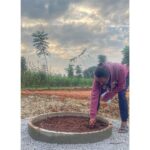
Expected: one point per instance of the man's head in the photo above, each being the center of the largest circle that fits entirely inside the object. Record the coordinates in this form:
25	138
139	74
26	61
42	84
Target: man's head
102	75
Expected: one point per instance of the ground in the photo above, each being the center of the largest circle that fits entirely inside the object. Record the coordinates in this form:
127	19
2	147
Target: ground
118	141
35	102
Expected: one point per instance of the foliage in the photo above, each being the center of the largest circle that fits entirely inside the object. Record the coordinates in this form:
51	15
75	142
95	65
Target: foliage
70	71
23	65
101	59
78	71
41	44
41	79
125	53
89	73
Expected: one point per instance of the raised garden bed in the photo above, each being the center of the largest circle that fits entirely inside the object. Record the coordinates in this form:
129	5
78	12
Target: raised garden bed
68	127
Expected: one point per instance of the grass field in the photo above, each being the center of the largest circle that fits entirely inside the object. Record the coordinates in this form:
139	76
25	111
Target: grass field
39	80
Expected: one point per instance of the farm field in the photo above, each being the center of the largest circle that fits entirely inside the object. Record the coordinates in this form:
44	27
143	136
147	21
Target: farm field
36	102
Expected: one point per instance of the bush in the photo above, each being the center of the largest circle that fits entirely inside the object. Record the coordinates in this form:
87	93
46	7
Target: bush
41	80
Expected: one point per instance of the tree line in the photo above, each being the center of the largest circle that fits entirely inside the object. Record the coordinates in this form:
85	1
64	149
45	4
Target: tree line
40	42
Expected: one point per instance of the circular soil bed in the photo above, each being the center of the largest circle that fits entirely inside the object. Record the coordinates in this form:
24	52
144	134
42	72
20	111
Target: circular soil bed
68	127
69	124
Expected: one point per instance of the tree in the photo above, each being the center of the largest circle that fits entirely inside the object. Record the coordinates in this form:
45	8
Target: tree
78	71
89	73
41	44
101	59
125	53
70	71
23	65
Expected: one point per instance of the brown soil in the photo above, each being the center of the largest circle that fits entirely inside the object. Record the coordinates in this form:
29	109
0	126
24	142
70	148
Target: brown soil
70	124
36	102
76	94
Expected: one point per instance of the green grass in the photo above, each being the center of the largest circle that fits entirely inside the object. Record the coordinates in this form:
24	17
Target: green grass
39	80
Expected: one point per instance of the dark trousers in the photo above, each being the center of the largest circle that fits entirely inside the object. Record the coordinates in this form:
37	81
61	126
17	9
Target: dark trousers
123	105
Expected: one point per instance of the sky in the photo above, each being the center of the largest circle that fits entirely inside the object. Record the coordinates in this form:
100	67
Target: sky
99	26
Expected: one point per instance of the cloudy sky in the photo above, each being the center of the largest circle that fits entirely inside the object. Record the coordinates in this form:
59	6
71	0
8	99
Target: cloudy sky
99	26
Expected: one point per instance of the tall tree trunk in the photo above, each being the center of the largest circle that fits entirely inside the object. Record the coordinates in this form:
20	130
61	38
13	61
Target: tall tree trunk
46	63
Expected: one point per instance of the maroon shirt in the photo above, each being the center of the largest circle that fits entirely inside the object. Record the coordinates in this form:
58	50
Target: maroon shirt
118	74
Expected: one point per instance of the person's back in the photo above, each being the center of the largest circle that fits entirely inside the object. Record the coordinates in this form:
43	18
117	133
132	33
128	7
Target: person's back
110	79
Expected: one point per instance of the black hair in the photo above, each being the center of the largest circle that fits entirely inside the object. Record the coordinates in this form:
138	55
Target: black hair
101	72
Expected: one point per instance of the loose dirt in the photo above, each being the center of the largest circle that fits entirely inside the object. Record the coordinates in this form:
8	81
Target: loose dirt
70	124
36	102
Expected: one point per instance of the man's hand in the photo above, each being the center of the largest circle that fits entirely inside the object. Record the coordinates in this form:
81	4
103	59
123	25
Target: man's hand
92	123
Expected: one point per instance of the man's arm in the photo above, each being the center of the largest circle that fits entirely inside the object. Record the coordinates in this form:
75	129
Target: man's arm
121	85
94	99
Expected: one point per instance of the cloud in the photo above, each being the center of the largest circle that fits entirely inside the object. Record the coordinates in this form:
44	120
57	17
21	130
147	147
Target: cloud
45	9
73	25
32	23
113	10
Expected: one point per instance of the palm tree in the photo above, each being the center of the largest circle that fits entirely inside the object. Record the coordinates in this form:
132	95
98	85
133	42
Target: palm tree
41	44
